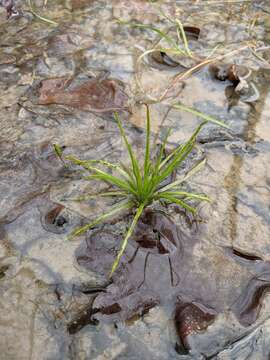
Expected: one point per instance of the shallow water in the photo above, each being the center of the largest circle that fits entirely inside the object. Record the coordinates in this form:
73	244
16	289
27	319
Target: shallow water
202	285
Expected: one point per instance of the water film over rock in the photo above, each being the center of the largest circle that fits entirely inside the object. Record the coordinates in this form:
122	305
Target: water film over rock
187	286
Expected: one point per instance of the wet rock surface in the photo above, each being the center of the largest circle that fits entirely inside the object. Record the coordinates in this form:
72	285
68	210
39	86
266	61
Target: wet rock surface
156	269
198	286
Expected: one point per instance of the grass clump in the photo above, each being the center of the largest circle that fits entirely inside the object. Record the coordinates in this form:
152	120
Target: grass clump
136	187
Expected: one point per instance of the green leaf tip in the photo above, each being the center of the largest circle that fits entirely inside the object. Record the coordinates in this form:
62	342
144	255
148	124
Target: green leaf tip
200	114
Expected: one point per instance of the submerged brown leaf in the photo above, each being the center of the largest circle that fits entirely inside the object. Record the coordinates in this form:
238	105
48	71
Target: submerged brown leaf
93	95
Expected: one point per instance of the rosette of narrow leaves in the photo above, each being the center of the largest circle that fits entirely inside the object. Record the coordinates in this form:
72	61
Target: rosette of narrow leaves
137	186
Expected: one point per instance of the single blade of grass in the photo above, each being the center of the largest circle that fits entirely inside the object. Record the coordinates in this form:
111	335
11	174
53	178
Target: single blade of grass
134	161
115	209
182	34
48	21
180	202
161	33
59	153
215	48
147	145
190	173
200	114
125	241
102	194
185	194
194	170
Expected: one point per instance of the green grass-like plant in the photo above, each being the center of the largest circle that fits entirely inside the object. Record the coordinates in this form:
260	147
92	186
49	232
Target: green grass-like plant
42	18
137	187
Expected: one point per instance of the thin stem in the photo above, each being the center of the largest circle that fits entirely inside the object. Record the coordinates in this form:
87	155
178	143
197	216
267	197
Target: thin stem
200	114
147	146
115	209
184	38
125	241
39	16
